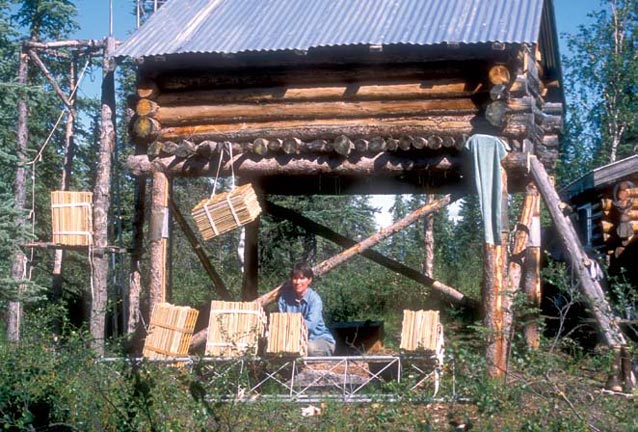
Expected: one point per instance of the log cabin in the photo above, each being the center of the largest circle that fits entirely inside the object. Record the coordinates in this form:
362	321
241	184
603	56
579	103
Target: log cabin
301	97
607	221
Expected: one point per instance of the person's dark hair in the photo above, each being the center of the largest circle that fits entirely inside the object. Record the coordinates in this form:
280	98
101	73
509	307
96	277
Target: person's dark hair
301	268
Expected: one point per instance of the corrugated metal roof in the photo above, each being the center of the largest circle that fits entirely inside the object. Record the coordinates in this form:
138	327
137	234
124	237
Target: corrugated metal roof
236	26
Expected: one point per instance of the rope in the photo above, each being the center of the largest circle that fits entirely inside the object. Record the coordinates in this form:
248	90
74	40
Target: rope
28	273
219	165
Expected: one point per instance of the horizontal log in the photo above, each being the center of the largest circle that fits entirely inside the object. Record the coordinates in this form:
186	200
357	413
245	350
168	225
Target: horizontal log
309	130
145	129
383	164
551	141
551	124
499	74
356	91
77	43
256	77
553	108
146	107
608	204
608	227
223	114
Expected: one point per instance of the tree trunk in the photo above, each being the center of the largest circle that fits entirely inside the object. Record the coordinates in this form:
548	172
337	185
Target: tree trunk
69	153
497	311
428	240
102	201
158	239
250	282
135	277
19	260
532	271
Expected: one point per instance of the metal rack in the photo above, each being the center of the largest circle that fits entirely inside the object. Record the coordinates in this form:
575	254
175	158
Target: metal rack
365	378
314	379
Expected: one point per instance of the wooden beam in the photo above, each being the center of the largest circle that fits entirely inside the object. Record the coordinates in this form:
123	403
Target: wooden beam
382	164
200	251
532	272
330	263
34	56
102	200
246	113
446	291
250	281
517	126
521	241
158	238
357	91
497	313
578	259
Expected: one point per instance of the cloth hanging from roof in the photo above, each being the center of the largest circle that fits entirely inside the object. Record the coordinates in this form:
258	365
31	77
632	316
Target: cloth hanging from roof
487	153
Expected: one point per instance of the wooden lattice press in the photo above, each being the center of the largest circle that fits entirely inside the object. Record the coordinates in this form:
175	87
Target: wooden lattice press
226	211
72	218
234	329
170	331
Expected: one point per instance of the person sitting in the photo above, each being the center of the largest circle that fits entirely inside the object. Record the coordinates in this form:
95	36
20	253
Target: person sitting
297	296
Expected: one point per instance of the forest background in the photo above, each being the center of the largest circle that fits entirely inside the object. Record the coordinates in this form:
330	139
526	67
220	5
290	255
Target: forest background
601	126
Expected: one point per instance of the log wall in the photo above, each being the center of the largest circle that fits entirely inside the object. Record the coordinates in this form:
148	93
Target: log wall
346	111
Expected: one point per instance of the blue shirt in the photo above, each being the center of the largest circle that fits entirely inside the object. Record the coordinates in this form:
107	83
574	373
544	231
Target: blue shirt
311	308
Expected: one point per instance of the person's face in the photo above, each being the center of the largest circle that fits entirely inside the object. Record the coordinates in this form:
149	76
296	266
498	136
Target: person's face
300	284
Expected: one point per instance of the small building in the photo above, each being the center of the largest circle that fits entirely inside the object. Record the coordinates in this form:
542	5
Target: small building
605	204
342	96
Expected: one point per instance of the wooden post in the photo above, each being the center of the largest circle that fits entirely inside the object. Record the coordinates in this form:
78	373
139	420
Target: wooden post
102	201
532	270
197	246
578	260
158	238
495	297
135	276
251	262
69	152
428	240
19	260
521	240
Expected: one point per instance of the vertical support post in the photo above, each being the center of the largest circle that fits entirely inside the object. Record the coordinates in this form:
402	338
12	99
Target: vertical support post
158	238
428	240
251	262
69	153
19	260
102	201
532	270
135	276
495	296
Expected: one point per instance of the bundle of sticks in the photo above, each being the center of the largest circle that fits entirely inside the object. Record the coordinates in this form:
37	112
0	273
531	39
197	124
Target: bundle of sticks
234	329
226	211
170	331
420	331
72	218
287	335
